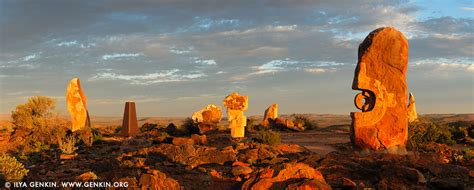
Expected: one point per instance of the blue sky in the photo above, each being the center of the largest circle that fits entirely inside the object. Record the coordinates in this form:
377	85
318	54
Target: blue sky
174	57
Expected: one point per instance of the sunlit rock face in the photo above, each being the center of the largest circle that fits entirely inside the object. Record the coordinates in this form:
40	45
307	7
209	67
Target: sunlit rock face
76	103
412	115
270	113
236	105
211	113
381	76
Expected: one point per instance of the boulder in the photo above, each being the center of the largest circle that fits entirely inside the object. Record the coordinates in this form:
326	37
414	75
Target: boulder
199	139
155	179
381	76
76	102
288	175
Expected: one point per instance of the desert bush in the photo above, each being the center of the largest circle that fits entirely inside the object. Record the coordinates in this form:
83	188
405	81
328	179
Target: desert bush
10	169
96	135
148	127
268	137
34	113
190	126
36	126
85	136
424	132
470	131
252	125
307	123
67	145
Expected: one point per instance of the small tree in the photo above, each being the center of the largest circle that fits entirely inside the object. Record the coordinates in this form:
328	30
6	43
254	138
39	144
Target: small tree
10	169
34	113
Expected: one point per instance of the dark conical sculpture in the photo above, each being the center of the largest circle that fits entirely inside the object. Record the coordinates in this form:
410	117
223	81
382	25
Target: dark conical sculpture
129	124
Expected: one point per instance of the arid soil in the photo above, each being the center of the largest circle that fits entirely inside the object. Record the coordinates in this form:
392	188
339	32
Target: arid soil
315	159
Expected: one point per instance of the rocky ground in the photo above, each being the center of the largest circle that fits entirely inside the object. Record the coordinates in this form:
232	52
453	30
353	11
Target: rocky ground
315	159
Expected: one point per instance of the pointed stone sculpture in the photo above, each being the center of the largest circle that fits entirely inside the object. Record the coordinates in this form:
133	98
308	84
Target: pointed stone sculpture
207	118
381	76
270	113
412	115
76	103
236	105
129	123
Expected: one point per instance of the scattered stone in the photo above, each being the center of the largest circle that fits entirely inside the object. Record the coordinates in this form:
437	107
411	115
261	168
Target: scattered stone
239	163
155	179
241	170
88	176
412	115
289	175
199	139
381	76
182	140
129	123
76	102
236	105
271	113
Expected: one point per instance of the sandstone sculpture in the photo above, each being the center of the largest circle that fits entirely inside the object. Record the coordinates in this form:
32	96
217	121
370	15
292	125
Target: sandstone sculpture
270	113
211	113
77	105
236	105
207	118
381	76
412	115
129	123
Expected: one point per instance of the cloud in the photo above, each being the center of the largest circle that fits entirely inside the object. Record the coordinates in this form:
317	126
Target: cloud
120	55
67	43
174	75
443	65
30	57
467	8
204	61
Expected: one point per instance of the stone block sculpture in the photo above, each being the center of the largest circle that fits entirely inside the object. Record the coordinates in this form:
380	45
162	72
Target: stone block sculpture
207	118
76	103
271	113
412	115
236	105
381	76
129	123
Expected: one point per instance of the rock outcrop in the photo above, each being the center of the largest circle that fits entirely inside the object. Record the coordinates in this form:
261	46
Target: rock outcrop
381	76
76	102
412	115
236	105
155	179
289	175
129	123
270	113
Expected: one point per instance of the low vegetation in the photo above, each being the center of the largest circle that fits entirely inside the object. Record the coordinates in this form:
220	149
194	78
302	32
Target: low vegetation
67	145
307	123
268	137
10	169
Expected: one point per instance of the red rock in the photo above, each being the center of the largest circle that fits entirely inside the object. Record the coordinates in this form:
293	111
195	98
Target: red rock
182	140
271	113
129	122
290	175
88	176
241	170
154	179
346	182
381	76
199	139
239	163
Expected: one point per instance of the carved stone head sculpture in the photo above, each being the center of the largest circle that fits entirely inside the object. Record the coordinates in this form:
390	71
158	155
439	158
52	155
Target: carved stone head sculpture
381	76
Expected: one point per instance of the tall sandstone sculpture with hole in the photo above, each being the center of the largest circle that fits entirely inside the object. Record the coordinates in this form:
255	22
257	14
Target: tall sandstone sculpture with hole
76	102
381	76
236	105
129	123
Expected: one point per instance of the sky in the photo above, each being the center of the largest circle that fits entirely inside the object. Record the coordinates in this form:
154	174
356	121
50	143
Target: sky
173	57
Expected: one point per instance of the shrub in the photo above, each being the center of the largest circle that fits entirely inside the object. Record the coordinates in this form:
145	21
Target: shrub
85	136
148	127
189	126
268	137
36	126
10	169
67	145
424	132
307	123
96	135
